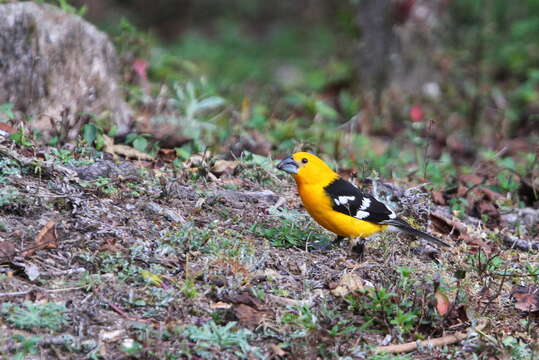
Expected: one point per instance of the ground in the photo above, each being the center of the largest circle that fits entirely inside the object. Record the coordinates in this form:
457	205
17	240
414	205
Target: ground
115	259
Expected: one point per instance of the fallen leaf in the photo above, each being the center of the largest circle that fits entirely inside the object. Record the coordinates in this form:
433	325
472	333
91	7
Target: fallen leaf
152	278
7	251
45	239
31	270
276	350
168	155
471	179
111	336
442	302
124	150
225	167
246	298
527	298
5	129
248	316
220	305
438	197
348	283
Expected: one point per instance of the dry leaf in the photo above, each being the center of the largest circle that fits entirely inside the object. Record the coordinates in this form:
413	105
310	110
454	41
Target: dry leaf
45	239
277	351
226	167
527	298
438	197
348	283
442	302
168	155
124	150
7	251
248	316
220	305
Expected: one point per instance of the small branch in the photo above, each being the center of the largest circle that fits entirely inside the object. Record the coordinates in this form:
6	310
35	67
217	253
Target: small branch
286	301
18	293
45	340
441	341
411	346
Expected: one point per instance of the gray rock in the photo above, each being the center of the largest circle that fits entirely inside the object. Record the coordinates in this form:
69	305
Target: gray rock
58	68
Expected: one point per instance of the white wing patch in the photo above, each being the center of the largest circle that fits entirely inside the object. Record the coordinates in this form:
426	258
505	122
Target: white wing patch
365	204
362	214
343	200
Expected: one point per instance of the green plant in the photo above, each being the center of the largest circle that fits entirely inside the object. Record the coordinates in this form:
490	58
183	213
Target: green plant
93	132
20	138
67	7
517	349
29	345
139	141
6	112
210	336
28	315
189	289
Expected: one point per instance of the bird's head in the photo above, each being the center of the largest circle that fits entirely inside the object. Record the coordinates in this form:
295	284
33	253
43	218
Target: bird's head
307	168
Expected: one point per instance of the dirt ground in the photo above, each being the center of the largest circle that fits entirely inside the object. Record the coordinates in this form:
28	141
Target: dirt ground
151	261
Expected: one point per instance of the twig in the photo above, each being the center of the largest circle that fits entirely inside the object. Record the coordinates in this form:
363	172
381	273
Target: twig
18	293
126	316
37	288
286	301
411	346
441	341
46	340
64	272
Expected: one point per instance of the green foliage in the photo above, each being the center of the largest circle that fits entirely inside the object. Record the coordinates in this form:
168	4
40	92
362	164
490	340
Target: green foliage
396	308
288	233
210	336
139	141
29	345
29	315
20	138
64	5
6	112
517	349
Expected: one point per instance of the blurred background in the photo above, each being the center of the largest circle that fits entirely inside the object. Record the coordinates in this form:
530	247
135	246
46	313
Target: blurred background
366	81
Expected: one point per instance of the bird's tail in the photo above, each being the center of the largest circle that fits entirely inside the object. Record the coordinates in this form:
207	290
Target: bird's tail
407	228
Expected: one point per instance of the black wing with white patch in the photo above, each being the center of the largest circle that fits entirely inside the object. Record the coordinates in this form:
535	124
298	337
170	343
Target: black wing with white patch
350	200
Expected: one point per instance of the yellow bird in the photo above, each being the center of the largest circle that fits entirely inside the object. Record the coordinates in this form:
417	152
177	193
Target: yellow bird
340	206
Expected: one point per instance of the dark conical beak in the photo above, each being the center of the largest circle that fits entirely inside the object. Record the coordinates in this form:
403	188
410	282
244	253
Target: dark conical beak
288	165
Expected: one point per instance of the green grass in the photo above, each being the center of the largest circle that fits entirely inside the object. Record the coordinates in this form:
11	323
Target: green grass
35	315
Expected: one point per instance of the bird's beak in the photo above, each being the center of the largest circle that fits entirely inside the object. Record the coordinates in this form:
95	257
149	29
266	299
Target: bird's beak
288	165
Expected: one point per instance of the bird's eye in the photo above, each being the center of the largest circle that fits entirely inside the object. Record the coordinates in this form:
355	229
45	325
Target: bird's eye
304	160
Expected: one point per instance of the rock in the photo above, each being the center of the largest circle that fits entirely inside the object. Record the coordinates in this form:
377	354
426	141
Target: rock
108	169
57	69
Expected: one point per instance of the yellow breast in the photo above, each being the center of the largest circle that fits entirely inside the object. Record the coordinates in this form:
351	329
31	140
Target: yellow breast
320	208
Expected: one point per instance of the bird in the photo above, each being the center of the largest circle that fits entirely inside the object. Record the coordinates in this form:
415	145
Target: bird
340	206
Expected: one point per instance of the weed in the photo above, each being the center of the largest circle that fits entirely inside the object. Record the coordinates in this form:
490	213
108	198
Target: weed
210	336
20	138
189	289
29	345
6	112
28	315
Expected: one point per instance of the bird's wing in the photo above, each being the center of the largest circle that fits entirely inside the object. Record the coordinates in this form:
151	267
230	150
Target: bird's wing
350	200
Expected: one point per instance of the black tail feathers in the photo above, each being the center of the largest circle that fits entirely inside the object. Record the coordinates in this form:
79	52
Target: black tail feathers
407	228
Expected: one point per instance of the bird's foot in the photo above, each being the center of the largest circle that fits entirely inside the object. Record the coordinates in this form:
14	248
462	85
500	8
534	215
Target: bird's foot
324	246
358	249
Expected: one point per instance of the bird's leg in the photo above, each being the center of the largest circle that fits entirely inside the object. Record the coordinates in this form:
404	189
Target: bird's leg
338	240
358	248
325	246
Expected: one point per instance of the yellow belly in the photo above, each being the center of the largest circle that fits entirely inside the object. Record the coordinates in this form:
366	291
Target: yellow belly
320	208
